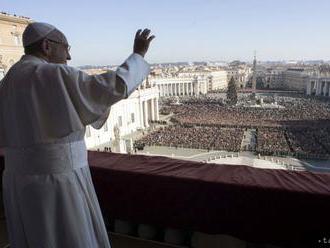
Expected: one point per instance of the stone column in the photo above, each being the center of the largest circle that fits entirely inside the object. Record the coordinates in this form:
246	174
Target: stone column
152	105
197	87
318	87
145	113
156	108
141	112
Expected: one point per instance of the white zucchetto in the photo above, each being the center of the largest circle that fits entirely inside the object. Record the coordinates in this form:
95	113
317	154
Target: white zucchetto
36	31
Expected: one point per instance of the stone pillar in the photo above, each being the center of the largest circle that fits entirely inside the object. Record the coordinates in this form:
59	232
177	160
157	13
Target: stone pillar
145	113
324	88
152	106
321	89
318	87
156	108
197	88
141	112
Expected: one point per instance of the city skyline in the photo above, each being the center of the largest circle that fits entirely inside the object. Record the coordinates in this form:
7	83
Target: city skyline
189	31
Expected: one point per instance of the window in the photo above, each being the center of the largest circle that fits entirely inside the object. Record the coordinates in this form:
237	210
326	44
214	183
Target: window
132	118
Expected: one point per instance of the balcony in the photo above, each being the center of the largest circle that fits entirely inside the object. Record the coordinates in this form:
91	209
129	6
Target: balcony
163	202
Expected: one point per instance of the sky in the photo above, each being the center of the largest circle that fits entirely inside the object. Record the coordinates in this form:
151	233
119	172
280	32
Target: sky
101	32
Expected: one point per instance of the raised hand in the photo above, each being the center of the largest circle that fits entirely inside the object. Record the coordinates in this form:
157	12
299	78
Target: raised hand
142	41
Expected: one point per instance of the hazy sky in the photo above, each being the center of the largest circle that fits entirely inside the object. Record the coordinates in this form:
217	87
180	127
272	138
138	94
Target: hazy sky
102	31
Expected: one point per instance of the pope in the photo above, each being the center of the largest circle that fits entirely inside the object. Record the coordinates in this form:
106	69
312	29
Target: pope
45	106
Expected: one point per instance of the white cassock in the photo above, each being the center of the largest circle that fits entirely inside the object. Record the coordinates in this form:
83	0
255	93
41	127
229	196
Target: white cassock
49	197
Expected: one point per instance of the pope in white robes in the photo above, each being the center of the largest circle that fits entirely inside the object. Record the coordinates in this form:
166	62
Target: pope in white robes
45	105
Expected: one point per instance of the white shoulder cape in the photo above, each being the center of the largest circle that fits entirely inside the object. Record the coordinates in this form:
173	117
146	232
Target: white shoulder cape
41	102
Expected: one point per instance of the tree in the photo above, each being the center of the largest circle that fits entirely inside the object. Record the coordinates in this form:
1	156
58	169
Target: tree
232	92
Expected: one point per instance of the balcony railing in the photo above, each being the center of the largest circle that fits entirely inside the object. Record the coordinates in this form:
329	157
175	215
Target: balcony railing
285	208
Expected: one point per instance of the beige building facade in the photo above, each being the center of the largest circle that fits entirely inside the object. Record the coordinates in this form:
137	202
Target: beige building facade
11	46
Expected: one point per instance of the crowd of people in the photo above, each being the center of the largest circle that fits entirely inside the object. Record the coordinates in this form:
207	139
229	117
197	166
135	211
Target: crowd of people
304	143
205	122
295	112
272	141
211	138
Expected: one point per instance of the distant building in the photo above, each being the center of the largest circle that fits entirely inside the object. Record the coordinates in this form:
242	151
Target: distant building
188	81
182	85
11	46
274	78
295	79
241	75
126	117
319	82
218	80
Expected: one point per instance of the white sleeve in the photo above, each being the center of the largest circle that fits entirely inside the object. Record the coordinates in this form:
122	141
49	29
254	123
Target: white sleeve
133	71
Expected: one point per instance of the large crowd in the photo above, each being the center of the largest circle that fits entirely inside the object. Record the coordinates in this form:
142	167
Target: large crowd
298	127
294	112
272	141
214	138
305	143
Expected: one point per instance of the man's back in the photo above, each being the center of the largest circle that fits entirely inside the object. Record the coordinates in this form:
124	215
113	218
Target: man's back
29	104
45	105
